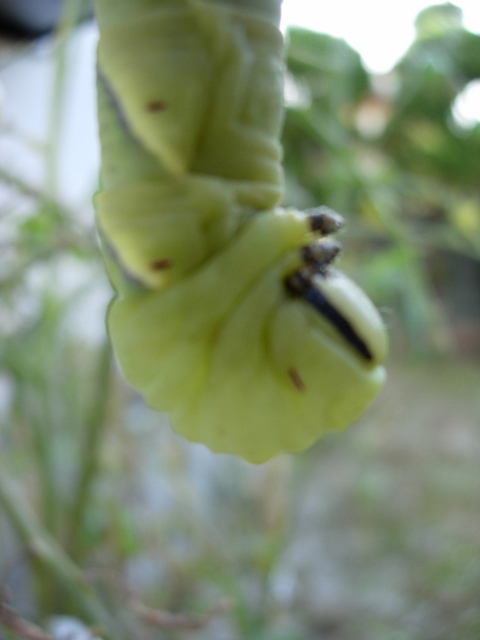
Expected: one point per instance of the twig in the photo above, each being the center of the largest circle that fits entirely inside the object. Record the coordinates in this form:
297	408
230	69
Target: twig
42	255
68	18
11	620
46	551
167	620
30	191
20	185
90	454
158	617
112	579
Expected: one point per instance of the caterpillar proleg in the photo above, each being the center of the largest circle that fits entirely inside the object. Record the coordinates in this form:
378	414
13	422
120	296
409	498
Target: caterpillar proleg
228	312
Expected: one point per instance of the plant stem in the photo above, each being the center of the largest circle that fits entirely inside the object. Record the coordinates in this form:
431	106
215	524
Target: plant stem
46	471
52	558
90	455
19	184
68	19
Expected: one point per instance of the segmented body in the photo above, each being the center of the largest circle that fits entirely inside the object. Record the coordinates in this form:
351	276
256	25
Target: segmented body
228	314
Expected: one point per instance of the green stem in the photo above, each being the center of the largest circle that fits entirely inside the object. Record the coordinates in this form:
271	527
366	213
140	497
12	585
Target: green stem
90	455
68	19
46	469
20	185
51	557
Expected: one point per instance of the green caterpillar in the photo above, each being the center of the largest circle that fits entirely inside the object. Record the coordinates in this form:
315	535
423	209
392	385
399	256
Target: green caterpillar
228	312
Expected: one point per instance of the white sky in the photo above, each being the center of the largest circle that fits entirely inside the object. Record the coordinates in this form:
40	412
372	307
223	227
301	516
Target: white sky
380	31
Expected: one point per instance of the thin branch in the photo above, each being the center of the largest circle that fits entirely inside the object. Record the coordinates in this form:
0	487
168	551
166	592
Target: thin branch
30	191
42	255
11	620
20	185
46	551
91	450
159	618
68	18
185	621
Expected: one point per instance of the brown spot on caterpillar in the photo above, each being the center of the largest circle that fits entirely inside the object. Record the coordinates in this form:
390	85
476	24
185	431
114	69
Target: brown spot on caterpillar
156	105
159	265
296	379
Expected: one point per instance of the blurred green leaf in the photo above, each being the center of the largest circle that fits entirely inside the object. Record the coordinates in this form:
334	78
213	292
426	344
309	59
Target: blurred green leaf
387	153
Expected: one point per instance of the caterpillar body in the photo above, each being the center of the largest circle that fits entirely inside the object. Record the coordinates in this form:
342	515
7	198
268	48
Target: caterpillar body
228	312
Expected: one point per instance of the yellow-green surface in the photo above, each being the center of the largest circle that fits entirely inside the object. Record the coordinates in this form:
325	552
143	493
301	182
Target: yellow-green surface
191	99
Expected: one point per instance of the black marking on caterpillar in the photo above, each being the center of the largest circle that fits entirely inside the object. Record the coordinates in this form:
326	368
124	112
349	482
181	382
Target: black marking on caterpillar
300	284
116	105
114	101
128	275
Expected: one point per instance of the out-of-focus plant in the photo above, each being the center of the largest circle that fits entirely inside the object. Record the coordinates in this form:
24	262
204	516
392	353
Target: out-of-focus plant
55	386
390	153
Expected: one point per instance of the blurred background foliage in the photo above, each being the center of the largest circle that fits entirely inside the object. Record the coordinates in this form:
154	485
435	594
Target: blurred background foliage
391	155
109	518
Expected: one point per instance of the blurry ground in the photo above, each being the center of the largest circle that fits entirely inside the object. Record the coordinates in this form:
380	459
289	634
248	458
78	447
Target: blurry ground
387	538
372	534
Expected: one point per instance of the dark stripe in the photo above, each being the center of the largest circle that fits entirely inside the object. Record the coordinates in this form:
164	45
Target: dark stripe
114	101
314	297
